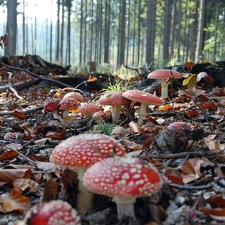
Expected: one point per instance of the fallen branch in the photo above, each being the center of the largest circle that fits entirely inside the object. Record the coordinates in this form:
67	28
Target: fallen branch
11	88
5	113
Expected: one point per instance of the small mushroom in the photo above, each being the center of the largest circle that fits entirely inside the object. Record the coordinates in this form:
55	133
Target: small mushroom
124	179
145	99
115	100
70	101
178	125
164	75
55	212
80	152
100	116
88	108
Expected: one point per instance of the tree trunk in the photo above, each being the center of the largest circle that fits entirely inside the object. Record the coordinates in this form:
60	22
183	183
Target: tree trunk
200	41
107	31
166	33
121	44
150	31
11	27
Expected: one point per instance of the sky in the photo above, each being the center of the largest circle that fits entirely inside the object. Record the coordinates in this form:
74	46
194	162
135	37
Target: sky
41	9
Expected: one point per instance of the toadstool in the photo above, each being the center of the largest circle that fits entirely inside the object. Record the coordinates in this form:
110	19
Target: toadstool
56	212
51	105
164	75
88	108
178	125
145	99
115	100
80	152
70	101
124	179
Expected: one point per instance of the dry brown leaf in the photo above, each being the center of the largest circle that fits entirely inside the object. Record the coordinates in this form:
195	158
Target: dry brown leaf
9	175
216	201
174	176
15	201
132	145
8	155
46	166
135	128
51	190
26	184
215	211
191	170
19	115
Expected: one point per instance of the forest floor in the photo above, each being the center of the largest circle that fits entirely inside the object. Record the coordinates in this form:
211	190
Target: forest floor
190	160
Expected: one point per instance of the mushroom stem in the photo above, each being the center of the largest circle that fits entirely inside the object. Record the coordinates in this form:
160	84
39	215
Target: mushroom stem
142	113
65	113
125	206
84	197
115	113
164	89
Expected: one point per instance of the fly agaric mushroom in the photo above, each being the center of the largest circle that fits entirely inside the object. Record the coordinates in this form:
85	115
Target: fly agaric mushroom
145	99
87	109
124	179
100	115
51	105
178	125
51	213
80	152
115	100
70	101
166	76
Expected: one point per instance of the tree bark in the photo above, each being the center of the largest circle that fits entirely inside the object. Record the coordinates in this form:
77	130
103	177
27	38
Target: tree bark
11	27
200	42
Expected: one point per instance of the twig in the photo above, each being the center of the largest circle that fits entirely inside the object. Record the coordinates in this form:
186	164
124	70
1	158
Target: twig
190	188
11	87
35	75
4	113
181	155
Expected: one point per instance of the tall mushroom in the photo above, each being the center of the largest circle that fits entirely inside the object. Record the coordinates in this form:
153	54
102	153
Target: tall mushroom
51	213
166	76
124	179
80	152
145	99
115	100
70	101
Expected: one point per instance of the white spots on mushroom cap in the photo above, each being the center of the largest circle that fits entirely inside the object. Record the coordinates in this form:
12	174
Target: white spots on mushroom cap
123	177
85	149
141	96
54	212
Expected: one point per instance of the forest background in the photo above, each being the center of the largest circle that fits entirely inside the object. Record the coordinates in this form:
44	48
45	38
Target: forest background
115	33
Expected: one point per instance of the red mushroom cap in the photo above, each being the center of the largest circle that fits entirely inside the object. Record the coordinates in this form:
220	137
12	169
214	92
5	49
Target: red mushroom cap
84	150
52	213
178	125
68	104
141	96
100	115
51	105
75	96
164	74
122	177
88	108
112	98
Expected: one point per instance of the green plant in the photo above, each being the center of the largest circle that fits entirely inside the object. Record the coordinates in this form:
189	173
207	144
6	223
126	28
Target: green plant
118	86
106	128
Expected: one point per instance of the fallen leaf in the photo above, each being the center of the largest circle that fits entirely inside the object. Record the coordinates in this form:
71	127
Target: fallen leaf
15	201
8	155
26	184
9	175
51	190
191	170
19	114
132	145
135	128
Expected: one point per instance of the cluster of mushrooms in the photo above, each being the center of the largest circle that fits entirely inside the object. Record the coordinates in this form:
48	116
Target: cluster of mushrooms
101	163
